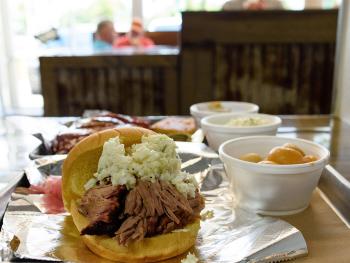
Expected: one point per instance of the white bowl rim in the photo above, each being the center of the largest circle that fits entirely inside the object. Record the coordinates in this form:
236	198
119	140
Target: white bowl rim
194	107
205	122
274	166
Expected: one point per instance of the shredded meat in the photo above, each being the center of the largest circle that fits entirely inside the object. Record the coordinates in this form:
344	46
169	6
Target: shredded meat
147	210
103	206
156	208
64	142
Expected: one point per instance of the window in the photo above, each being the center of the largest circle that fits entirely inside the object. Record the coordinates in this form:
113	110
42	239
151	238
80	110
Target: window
75	21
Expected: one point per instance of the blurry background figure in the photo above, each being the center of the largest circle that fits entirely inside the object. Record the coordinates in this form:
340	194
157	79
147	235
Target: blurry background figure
135	37
252	5
105	35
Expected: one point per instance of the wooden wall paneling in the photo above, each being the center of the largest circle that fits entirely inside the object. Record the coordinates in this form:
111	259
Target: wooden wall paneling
204	74
154	88
148	92
75	96
50	92
108	91
306	68
256	74
318	69
88	89
81	99
248	73
171	104
234	56
114	82
277	26
143	87
137	99
294	57
329	75
65	98
221	74
164	38
120	106
130	98
276	59
123	72
100	89
196	77
188	85
157	91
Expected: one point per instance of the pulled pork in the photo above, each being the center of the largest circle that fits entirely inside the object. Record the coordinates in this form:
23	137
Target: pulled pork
103	206
149	209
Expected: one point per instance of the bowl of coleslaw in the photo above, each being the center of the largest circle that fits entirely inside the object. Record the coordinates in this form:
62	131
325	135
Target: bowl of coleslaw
220	128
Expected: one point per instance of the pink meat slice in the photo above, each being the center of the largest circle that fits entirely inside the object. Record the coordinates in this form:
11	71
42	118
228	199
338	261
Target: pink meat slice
51	188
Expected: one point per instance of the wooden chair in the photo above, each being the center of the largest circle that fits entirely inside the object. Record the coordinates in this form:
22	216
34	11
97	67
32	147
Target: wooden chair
164	38
281	60
136	84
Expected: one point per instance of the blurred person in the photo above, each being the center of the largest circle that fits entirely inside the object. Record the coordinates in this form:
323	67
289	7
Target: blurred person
135	37
252	5
105	35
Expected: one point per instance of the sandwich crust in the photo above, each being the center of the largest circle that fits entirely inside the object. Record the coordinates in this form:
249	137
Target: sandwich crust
79	167
150	249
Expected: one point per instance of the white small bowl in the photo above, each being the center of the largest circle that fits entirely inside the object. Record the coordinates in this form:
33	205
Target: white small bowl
201	110
272	189
217	132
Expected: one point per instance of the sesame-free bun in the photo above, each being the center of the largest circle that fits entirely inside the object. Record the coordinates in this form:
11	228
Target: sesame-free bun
79	166
150	249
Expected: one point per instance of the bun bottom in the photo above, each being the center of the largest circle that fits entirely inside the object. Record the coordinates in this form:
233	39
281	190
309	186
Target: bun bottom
151	249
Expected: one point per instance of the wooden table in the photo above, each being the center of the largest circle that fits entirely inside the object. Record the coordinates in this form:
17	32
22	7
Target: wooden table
325	224
326	235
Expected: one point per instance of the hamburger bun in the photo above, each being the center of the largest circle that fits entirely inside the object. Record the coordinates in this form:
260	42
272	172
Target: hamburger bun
79	166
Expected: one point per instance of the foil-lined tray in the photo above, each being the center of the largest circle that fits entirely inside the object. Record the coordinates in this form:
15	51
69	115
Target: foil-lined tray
46	137
228	233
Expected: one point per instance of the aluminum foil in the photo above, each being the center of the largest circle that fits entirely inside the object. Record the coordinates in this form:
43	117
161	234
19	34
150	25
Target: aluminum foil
228	233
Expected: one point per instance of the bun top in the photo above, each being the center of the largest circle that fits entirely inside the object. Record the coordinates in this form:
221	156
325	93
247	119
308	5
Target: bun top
82	161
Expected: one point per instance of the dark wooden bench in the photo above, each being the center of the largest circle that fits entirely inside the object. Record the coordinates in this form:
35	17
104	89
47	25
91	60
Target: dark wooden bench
281	60
136	84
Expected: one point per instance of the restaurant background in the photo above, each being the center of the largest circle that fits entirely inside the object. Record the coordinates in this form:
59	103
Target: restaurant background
75	22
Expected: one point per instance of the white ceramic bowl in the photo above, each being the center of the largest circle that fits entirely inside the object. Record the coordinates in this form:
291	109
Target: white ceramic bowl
201	110
272	189
217	132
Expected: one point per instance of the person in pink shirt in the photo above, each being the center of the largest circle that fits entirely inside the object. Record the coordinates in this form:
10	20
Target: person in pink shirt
135	37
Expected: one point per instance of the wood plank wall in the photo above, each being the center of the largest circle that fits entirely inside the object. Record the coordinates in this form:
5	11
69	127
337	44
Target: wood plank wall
136	85
281	60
